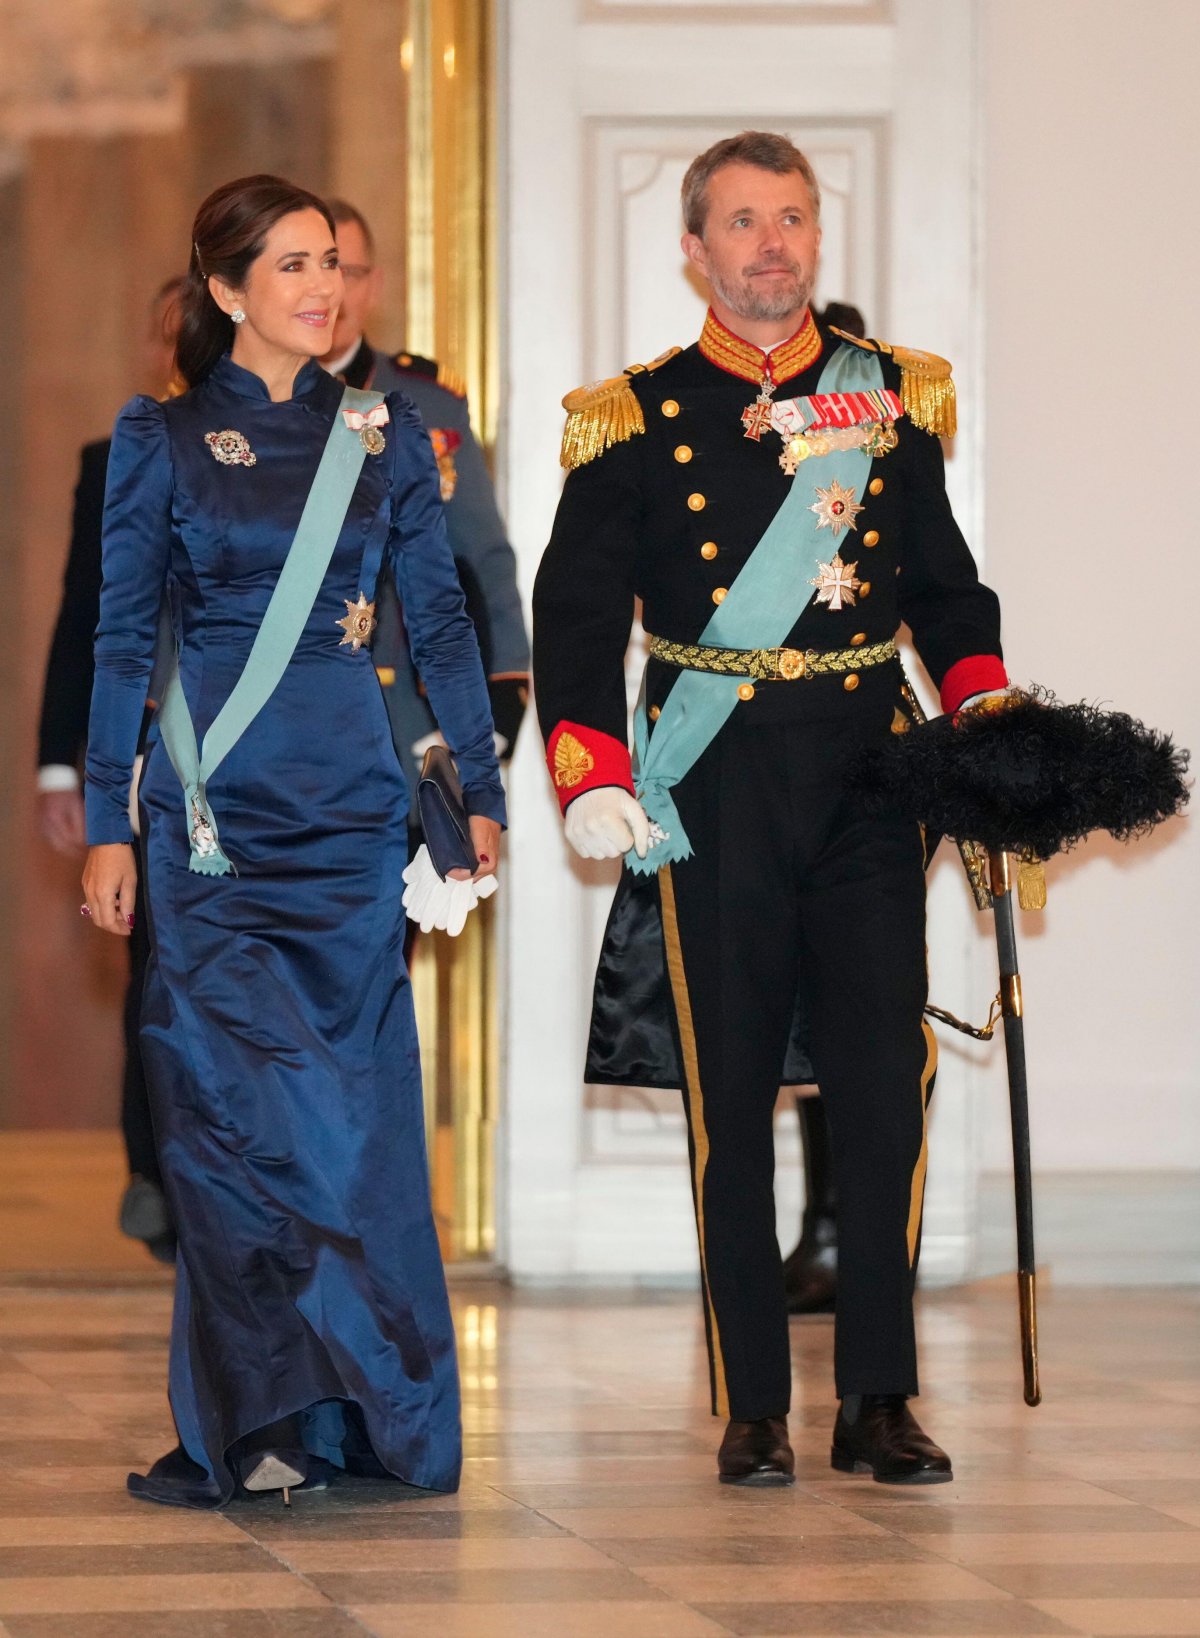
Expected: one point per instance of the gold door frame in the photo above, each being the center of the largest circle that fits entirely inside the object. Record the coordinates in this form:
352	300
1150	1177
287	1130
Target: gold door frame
447	59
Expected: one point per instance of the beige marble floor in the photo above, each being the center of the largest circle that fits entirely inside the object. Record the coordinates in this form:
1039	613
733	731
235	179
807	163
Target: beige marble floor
589	1508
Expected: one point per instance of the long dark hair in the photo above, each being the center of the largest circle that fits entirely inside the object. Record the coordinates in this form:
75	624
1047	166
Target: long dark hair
227	236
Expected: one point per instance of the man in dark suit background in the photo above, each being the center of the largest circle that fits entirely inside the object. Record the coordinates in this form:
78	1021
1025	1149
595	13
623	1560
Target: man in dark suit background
479	540
62	741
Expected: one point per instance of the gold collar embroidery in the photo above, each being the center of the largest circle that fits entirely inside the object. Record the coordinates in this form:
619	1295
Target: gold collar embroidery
748	362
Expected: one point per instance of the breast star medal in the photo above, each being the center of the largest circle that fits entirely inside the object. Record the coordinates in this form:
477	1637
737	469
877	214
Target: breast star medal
367	424
836	509
836	583
231	448
358	624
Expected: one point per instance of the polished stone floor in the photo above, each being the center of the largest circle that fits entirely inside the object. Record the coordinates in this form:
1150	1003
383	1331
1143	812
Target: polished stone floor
589	1505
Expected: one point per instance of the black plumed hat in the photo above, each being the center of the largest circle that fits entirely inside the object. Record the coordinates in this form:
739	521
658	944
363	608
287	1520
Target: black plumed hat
1029	775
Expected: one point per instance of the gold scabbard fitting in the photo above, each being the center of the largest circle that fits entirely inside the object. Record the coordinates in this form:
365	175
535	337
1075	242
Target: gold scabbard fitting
1011	1002
1027	1309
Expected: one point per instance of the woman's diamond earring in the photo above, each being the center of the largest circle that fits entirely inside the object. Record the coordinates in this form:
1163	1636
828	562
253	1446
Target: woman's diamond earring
238	316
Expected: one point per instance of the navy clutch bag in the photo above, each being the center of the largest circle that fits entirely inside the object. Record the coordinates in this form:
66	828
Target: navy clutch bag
443	814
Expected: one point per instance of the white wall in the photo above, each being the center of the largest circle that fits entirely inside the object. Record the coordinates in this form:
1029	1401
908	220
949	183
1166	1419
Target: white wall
1090	257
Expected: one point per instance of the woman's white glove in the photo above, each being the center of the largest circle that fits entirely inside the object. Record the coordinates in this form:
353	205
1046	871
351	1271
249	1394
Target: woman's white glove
606	823
432	902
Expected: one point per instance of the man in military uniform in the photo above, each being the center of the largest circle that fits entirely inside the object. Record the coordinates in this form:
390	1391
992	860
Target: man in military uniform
774	494
62	741
486	562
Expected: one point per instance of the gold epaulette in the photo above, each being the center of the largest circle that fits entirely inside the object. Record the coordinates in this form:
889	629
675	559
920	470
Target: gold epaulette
452	381
926	385
603	414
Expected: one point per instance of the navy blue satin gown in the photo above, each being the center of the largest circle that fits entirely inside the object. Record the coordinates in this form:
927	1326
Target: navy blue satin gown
277	1027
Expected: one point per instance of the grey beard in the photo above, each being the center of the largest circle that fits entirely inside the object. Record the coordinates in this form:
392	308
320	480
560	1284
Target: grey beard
742	300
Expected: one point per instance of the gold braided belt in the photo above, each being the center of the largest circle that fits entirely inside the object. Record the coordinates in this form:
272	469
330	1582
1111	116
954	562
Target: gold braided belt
771	664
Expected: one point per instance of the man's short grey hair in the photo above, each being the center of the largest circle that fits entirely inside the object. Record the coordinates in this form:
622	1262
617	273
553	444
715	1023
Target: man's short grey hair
343	211
765	149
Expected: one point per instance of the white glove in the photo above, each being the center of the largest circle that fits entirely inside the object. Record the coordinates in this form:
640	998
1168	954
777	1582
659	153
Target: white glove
606	823
432	902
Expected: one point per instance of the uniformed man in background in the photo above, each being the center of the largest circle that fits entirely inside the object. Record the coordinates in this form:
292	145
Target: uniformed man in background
774	494
62	741
478	538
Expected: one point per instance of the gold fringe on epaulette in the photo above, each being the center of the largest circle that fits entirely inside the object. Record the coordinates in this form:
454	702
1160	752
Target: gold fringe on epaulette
452	381
926	390
597	418
930	403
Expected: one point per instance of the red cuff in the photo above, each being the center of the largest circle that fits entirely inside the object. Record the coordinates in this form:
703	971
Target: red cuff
581	759
978	674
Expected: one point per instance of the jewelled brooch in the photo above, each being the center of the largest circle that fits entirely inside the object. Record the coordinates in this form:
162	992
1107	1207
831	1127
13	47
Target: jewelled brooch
231	448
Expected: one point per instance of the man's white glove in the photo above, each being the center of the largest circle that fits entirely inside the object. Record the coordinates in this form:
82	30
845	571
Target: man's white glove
432	902
606	823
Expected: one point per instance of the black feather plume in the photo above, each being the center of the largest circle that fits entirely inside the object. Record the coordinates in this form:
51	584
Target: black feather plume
1031	776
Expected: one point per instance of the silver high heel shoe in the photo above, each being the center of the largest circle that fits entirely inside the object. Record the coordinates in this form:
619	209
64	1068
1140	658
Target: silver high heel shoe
264	1470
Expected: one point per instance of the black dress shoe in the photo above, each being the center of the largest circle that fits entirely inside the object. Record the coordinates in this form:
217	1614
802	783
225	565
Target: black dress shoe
876	1433
810	1273
144	1216
756	1453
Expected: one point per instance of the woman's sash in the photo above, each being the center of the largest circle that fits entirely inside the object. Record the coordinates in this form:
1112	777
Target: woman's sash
761	608
274	644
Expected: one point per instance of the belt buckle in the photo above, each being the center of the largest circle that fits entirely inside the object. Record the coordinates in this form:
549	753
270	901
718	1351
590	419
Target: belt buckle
791	664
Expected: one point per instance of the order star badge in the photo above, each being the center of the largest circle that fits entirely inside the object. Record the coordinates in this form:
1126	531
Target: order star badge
836	509
358	624
836	583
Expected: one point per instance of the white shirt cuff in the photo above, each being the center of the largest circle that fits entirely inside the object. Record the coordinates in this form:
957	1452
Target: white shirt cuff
57	776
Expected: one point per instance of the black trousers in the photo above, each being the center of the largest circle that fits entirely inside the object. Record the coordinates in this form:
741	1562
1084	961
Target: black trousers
789	884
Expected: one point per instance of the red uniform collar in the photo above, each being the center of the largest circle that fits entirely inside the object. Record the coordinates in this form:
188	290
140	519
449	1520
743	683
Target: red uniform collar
743	359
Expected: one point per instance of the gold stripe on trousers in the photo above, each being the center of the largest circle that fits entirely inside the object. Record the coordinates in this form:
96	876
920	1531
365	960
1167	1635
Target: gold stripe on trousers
917	1191
694	1093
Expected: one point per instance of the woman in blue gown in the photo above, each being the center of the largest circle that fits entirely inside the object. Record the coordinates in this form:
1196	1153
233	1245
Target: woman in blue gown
311	1322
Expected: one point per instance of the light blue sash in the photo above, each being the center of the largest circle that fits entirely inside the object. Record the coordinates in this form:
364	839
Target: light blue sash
764	603
287	614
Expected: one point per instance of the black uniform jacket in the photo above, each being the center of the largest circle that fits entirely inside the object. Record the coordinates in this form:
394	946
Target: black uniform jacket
67	695
670	516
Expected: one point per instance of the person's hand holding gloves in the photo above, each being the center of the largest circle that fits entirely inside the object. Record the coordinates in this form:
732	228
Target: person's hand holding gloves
432	902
